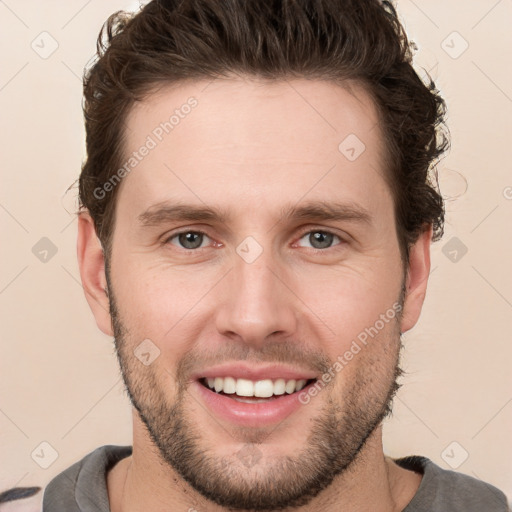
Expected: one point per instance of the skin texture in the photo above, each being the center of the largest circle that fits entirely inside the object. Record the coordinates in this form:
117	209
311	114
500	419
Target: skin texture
254	149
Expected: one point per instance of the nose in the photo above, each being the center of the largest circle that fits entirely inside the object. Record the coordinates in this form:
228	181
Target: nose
256	303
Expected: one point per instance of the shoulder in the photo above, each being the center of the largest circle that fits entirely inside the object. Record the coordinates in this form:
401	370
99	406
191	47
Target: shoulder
83	485
441	490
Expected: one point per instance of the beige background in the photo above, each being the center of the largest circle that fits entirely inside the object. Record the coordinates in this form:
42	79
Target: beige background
59	378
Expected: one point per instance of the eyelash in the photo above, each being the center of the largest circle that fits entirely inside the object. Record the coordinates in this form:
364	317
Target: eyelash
200	232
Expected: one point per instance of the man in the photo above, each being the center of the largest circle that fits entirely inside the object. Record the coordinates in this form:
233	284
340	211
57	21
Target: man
255	234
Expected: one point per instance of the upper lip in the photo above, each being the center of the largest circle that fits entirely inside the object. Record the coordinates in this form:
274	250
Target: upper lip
244	371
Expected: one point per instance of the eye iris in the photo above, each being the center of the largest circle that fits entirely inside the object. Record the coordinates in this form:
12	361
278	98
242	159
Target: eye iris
190	240
320	240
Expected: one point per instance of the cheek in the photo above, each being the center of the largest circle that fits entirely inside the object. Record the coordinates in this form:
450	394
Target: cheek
350	302
364	364
172	305
159	302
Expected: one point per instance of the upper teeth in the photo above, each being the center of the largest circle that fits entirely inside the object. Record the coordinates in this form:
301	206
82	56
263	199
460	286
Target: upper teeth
261	388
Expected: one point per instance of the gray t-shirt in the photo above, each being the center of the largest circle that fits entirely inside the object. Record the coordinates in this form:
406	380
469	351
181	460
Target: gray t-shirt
82	487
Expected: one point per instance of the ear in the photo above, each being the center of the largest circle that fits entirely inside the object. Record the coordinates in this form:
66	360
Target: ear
92	272
418	272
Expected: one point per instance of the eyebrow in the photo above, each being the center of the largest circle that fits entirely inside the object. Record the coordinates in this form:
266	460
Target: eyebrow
313	210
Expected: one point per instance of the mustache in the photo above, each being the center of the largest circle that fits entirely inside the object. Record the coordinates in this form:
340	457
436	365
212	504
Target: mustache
283	352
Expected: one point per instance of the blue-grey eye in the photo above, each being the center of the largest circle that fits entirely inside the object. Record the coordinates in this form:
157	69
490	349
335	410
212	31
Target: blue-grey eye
188	239
320	239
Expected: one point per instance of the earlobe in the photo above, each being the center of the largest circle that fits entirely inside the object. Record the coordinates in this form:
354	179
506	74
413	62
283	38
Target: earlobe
417	279
91	263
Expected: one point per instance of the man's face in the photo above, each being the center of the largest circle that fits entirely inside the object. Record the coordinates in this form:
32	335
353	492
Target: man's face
265	293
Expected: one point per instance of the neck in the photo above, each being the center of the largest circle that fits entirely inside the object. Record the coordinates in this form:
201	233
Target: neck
374	482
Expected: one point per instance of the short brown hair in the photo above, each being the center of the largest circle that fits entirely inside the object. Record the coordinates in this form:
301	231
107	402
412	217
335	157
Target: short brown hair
359	40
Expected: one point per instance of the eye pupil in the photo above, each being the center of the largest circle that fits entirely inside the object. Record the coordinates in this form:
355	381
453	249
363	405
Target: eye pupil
190	240
194	239
320	240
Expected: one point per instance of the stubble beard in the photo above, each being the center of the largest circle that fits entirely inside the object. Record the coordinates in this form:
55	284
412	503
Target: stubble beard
336	438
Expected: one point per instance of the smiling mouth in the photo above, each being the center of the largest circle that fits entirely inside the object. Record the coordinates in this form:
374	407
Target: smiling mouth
248	391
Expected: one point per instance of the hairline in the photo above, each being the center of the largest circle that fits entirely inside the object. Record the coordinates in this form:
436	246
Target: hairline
156	88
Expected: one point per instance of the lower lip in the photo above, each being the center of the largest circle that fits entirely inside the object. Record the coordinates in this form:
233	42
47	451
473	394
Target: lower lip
250	414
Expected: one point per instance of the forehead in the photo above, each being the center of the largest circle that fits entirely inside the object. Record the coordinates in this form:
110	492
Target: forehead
269	142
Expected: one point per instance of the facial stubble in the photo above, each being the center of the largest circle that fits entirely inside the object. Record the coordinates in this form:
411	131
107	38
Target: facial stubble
336	438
